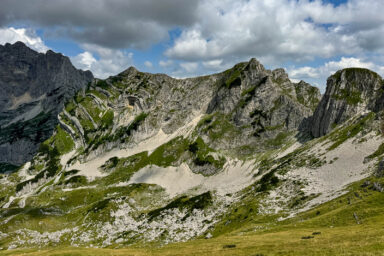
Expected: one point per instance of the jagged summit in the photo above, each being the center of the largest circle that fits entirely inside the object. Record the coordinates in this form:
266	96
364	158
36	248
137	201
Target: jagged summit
349	92
256	65
18	44
129	71
33	89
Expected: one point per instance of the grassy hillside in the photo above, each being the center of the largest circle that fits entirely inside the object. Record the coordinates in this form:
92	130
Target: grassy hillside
352	224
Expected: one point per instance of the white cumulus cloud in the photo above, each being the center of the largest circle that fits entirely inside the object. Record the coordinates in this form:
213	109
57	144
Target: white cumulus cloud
215	65
148	64
27	36
189	67
165	63
109	61
84	60
278	31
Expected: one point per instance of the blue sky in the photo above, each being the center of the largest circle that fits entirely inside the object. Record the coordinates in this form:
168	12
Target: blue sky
184	38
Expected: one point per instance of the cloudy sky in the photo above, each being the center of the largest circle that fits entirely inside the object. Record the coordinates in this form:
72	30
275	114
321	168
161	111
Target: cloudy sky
183	38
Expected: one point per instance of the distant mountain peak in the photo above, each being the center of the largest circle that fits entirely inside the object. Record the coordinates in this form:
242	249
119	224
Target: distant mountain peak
41	83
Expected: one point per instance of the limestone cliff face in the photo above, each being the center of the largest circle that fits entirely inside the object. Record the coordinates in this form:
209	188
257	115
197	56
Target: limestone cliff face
33	90
262	103
349	92
245	109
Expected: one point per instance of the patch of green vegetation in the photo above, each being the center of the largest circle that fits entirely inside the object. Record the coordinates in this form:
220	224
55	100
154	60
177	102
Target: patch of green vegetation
176	151
85	123
334	125
219	128
202	156
234	79
205	120
38	167
198	202
70	172
75	202
122	134
100	205
76	181
298	200
351	97
63	141
248	94
123	168
51	168
127	131
379	151
268	181
300	98
279	140
102	84
233	75
275	127
70	107
116	79
314	162
296	159
107	118
342	134
250	90
111	163
98	94
92	109
68	122
79	97
258	115
169	153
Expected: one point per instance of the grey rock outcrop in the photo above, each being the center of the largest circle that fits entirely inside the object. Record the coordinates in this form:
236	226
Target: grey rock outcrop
349	92
263	103
33	90
245	107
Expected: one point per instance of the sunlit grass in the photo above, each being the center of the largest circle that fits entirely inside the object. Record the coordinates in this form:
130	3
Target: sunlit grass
337	233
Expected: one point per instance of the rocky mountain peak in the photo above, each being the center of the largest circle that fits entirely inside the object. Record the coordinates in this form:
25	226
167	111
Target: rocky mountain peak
279	73
349	92
254	64
33	89
129	71
17	45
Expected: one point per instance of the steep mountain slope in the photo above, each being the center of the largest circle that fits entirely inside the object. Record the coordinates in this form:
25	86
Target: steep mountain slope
349	92
33	90
148	160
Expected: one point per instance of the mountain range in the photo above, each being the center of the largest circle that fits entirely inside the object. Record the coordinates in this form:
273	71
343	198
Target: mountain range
228	163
